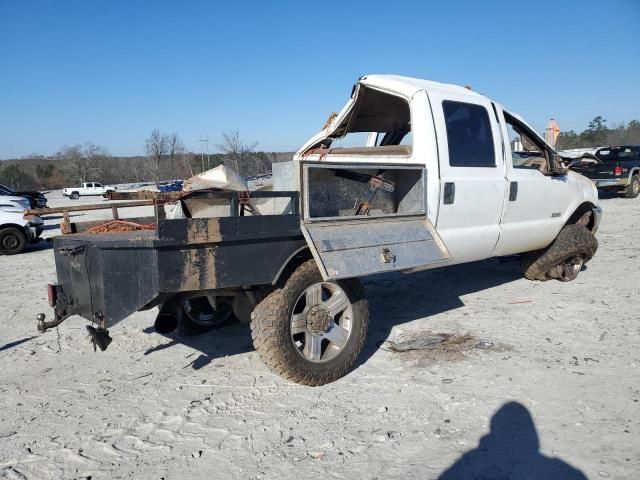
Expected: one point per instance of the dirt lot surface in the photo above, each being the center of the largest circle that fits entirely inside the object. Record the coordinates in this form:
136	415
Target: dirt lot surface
536	380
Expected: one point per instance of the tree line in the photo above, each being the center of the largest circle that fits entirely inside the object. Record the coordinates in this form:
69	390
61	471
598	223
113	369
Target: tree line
598	134
165	159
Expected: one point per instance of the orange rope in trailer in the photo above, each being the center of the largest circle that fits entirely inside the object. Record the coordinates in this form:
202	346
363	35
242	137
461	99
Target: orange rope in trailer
116	226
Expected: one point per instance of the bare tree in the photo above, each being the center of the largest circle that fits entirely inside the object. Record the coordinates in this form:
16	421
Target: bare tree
97	158
157	147
188	159
139	169
74	162
30	165
176	151
237	150
83	162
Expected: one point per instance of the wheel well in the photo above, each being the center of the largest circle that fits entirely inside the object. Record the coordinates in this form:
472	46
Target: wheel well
579	213
293	262
13	225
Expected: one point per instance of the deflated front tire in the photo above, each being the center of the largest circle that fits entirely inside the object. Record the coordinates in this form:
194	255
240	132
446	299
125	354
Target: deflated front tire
563	260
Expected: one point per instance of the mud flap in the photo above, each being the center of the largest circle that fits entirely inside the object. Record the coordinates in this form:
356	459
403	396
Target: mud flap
361	219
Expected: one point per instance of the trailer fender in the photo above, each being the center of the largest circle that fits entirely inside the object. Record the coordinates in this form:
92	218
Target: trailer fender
296	259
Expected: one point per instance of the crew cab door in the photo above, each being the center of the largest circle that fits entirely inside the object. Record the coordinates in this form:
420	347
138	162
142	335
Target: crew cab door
472	174
360	219
537	199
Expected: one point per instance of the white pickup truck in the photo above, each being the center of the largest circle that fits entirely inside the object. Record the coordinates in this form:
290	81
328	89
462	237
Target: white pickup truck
87	189
483	198
16	232
434	182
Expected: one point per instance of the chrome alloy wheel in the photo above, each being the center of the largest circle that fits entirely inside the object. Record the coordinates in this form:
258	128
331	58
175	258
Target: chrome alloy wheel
321	321
570	269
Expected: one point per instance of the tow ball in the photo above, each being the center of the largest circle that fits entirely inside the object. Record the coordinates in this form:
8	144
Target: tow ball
99	337
44	326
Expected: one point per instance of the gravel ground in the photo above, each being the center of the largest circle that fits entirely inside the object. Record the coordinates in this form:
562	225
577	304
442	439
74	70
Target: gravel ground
538	380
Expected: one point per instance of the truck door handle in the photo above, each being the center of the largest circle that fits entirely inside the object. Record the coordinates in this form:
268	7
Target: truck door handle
513	191
449	193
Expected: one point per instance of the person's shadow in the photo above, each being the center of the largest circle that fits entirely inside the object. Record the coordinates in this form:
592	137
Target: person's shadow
510	452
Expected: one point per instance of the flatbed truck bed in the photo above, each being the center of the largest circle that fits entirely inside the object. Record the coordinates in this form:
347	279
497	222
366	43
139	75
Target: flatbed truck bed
107	277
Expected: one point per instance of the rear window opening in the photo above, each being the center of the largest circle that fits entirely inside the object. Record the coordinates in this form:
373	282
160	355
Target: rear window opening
379	124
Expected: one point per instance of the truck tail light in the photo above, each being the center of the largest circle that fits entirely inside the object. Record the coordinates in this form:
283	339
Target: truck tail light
52	295
617	170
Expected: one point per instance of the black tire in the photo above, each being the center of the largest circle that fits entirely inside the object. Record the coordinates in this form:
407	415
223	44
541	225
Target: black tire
192	315
74	196
574	246
12	241
271	329
200	314
633	190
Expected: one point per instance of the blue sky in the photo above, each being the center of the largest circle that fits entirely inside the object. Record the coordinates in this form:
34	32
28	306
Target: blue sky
111	71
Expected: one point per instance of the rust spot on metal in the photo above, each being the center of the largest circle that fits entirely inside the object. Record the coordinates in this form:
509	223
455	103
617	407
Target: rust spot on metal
204	230
198	270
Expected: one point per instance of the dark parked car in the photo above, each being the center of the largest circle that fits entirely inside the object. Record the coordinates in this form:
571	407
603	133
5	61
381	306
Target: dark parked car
36	199
615	169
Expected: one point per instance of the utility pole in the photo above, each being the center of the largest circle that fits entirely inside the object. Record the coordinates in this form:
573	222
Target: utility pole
208	164
203	141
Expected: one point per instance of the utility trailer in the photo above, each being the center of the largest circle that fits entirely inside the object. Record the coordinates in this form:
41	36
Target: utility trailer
310	243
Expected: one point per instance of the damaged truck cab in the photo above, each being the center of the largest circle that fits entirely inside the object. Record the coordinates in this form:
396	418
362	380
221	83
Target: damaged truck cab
410	175
484	198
